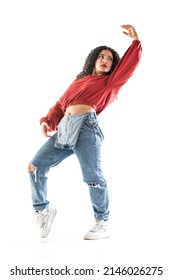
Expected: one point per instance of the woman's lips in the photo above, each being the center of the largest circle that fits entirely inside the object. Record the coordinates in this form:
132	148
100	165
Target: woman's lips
103	65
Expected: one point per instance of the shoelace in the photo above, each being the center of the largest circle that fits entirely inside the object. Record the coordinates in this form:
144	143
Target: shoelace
41	218
98	226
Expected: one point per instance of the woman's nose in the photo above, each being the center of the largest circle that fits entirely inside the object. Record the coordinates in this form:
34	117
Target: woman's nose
105	60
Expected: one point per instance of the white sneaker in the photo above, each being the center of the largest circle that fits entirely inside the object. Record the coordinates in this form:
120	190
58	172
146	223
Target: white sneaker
99	231
45	219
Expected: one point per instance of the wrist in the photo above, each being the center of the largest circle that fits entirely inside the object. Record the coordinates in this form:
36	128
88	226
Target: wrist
44	124
135	38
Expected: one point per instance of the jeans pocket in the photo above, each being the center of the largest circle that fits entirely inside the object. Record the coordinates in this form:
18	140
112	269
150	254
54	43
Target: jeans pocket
91	124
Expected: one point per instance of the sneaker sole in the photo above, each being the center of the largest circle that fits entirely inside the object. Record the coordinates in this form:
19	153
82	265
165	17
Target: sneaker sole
49	226
95	237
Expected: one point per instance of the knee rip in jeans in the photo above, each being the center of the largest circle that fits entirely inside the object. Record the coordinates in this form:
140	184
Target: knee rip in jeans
94	185
31	168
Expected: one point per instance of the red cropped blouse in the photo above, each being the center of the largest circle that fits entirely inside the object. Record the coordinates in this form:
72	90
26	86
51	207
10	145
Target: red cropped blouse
96	91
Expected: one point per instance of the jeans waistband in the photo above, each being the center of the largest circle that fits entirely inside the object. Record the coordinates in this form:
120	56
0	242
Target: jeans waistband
90	114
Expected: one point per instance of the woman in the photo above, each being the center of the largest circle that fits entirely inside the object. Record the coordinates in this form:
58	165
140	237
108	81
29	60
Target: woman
74	117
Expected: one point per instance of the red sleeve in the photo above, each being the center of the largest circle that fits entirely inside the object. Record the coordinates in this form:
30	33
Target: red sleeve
53	117
126	66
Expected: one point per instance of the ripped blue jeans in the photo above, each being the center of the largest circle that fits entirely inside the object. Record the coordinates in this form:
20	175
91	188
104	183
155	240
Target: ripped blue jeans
88	152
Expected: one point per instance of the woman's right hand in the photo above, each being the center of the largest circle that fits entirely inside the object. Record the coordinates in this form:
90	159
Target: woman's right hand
45	128
130	31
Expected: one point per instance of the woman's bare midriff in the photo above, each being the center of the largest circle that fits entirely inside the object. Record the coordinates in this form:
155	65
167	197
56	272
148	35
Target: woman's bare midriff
78	109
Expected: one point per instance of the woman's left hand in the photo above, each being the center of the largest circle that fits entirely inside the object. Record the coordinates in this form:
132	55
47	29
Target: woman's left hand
130	31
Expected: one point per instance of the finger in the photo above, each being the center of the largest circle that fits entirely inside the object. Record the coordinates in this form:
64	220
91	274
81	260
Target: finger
126	33
126	26
46	135
44	131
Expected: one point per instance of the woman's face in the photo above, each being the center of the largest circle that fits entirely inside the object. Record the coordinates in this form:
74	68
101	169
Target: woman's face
103	63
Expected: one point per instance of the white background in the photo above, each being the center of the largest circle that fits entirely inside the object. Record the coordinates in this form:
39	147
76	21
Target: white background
43	45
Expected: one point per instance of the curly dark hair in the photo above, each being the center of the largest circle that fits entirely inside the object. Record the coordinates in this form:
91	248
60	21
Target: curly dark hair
91	59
